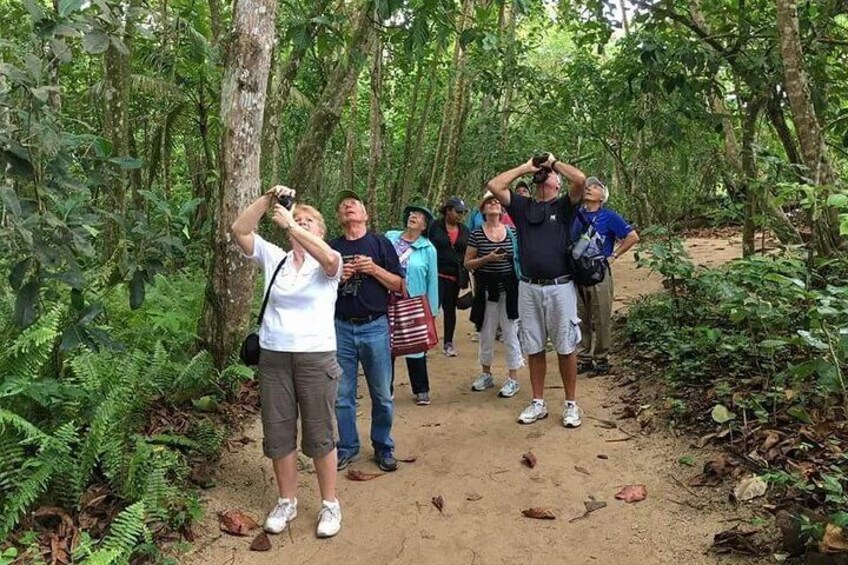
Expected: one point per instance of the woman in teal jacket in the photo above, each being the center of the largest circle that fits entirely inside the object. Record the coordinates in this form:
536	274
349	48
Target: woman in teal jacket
421	274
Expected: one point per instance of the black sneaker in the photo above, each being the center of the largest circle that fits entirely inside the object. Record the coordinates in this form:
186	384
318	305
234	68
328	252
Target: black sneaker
601	368
346	460
386	462
585	366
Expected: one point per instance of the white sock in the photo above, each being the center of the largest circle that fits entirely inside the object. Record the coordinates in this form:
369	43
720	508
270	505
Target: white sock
331	503
281	500
539	401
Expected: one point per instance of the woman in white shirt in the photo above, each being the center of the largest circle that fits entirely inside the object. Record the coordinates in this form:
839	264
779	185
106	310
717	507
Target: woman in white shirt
298	371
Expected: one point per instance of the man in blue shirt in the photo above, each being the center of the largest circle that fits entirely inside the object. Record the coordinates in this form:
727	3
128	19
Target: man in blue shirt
594	304
371	269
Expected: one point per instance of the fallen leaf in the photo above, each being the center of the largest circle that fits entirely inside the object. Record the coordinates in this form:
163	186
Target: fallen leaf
632	493
261	543
539	513
736	541
206	403
772	439
580	469
410	459
473	497
439	503
749	488
602	456
236	522
357	475
722	415
714	471
59	549
529	459
834	540
592	504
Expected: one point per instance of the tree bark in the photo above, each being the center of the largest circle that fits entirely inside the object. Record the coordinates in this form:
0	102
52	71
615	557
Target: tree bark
810	134
230	289
396	197
305	170
507	28
350	143
749	170
375	121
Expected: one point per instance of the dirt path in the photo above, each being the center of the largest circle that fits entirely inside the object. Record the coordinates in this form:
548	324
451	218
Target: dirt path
469	445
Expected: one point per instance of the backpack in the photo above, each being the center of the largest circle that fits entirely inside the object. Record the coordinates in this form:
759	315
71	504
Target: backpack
589	264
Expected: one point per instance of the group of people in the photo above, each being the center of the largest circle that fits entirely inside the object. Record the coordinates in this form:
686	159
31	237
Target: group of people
328	303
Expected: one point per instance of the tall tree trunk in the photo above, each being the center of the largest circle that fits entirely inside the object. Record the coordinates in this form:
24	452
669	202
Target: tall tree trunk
281	92
813	148
507	28
215	21
350	143
749	170
207	187
229	292
396	199
411	170
305	170
375	121
116	103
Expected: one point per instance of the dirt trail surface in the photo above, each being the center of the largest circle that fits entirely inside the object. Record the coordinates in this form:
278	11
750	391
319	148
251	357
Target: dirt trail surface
468	448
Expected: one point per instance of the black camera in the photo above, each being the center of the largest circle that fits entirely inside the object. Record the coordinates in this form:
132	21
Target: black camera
540	159
286	201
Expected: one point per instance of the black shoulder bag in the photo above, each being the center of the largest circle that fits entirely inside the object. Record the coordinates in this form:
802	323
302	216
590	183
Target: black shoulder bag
589	265
249	353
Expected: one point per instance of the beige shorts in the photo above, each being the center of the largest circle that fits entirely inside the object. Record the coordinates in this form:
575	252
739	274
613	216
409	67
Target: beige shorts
292	383
548	311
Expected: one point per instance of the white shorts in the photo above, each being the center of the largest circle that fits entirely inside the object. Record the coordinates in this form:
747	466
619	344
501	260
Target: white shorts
548	311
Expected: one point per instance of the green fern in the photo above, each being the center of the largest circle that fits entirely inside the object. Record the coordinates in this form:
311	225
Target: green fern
125	533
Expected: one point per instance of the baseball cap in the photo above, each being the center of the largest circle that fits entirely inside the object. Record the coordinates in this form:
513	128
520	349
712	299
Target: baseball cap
595	181
456	203
345	194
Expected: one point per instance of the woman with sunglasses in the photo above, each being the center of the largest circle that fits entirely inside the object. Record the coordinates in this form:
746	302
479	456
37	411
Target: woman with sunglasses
450	237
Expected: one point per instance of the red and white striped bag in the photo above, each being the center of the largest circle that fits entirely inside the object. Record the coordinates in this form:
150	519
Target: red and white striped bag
412	328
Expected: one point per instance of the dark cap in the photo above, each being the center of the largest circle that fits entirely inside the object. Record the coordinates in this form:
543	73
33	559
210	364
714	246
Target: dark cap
345	194
428	215
456	203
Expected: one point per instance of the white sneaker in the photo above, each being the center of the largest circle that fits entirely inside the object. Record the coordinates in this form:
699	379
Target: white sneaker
509	388
329	519
536	411
483	382
571	415
284	512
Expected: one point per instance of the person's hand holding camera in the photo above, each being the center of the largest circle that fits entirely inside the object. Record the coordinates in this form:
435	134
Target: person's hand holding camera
282	198
498	254
364	264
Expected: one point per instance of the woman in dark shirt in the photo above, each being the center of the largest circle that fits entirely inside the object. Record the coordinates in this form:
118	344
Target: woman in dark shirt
450	237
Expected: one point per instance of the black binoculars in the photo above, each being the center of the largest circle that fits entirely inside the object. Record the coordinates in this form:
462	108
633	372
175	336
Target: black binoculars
541	158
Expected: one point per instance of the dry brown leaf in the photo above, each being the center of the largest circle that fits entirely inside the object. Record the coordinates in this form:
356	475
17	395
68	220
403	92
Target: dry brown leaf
736	541
772	439
834	540
592	505
439	503
473	497
539	513
59	549
632	493
580	469
749	488
236	522
529	459
714	471
602	456
410	459
357	475
261	543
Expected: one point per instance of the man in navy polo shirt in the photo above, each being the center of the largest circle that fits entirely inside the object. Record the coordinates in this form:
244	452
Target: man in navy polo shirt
547	299
371	269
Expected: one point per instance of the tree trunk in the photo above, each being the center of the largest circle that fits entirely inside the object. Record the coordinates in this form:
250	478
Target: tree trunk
281	92
411	170
507	29
396	199
305	170
215	21
229	292
375	119
813	148
350	143
749	170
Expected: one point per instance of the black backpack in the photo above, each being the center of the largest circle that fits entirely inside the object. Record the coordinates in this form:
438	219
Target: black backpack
588	263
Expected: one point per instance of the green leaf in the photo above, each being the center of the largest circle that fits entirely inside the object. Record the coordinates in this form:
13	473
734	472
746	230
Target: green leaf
722	415
67	7
137	290
18	273
773	343
71	338
26	304
687	460
838	200
800	414
126	162
89	314
206	404
95	42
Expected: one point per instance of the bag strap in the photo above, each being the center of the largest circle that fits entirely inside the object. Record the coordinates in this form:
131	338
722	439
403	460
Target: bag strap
268	292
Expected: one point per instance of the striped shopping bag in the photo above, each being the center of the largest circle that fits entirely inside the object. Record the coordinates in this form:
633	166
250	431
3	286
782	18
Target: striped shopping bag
412	328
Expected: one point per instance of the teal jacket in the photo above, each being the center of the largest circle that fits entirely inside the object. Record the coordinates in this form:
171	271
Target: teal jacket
422	273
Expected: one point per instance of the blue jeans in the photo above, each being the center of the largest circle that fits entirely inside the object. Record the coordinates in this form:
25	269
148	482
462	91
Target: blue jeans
369	344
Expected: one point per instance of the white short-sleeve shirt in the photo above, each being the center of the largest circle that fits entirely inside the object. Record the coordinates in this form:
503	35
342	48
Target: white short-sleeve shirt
302	305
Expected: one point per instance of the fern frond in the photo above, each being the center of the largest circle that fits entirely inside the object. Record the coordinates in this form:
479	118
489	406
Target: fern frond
127	530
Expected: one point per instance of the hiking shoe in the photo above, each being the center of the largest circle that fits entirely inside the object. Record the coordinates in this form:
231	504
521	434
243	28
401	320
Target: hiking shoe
585	366
571	415
483	382
386	461
346	460
509	388
536	411
284	512
601	368
329	519
450	350
422	398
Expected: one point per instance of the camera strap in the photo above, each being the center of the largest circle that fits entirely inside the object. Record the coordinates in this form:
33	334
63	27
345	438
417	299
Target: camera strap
268	292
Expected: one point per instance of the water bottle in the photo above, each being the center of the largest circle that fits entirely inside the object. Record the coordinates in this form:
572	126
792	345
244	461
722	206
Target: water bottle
581	245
